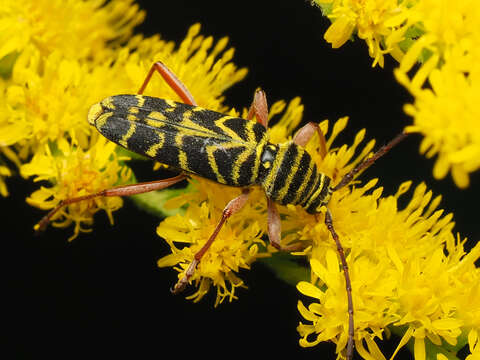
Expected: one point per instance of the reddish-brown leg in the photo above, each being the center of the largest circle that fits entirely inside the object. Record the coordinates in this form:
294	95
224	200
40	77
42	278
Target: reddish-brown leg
172	80
133	189
232	207
275	229
305	133
125	190
259	108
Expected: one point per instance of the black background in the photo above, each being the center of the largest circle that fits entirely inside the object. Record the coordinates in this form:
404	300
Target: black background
103	296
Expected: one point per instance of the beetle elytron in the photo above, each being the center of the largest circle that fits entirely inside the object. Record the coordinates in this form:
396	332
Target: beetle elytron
225	149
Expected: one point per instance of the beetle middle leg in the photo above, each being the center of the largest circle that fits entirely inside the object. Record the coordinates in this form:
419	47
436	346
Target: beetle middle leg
232	207
258	109
275	229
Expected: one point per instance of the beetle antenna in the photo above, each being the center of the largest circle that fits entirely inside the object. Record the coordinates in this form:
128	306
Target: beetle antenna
329	223
369	161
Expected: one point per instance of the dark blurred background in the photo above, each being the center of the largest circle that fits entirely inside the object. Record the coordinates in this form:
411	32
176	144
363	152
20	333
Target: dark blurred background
102	294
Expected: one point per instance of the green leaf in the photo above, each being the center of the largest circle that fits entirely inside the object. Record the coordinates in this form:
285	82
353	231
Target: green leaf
154	202
325	7
6	64
414	32
411	36
132	155
287	268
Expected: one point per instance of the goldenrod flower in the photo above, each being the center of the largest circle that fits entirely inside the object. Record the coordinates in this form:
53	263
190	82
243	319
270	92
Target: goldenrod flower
76	29
45	98
203	65
75	172
401	275
239	243
46	48
446	86
6	153
4	172
236	247
375	21
443	37
407	269
474	345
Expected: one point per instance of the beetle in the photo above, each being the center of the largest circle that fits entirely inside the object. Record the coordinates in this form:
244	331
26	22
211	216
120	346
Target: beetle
226	149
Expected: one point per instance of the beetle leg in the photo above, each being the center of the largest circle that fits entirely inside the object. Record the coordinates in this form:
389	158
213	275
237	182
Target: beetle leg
124	190
172	80
305	133
275	229
259	108
232	207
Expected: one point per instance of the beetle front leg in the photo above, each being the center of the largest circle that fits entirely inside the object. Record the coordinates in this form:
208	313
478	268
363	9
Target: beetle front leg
259	108
306	132
232	207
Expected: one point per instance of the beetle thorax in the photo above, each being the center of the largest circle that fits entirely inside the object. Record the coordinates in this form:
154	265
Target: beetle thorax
289	175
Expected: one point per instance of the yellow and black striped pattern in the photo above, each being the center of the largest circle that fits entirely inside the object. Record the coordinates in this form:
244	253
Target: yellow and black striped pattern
225	149
293	178
216	146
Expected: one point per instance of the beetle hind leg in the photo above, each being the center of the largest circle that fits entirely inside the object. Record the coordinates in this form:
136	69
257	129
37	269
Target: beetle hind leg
123	190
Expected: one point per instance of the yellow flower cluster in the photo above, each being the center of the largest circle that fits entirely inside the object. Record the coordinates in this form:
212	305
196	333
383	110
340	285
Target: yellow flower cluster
410	274
60	25
47	53
444	37
50	76
408	270
375	21
236	247
240	242
446	86
427	280
77	172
